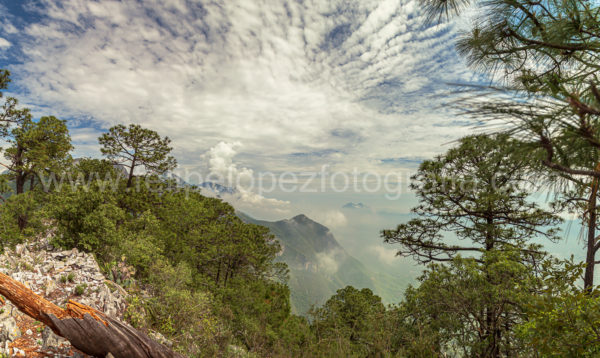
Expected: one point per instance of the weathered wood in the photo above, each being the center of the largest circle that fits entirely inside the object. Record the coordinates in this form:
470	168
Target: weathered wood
88	330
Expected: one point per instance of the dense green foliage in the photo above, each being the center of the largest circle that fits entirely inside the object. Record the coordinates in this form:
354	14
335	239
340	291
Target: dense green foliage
192	253
546	56
353	323
475	192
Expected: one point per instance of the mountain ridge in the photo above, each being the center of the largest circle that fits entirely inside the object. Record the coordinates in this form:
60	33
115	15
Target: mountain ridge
318	264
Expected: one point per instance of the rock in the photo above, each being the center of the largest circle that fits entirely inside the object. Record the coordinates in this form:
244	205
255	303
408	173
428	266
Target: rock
20	249
51	341
55	273
159	338
5	349
47	267
50	286
8	327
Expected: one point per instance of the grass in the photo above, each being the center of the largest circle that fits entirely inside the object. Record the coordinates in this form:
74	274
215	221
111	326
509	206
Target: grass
80	289
69	278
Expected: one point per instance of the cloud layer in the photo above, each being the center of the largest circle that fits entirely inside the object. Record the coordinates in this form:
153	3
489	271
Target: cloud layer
222	170
299	84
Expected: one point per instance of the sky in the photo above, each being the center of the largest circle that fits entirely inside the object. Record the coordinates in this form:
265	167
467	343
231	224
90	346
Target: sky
246	87
291	84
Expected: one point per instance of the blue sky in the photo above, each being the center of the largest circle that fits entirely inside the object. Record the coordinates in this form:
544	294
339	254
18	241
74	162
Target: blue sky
296	83
248	85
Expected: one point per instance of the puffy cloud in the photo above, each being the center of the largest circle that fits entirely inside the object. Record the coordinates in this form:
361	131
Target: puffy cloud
220	164
257	204
223	170
327	262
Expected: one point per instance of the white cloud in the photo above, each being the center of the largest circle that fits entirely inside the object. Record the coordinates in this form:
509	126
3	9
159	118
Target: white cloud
223	170
256	204
387	256
332	219
327	262
7	27
4	44
85	141
283	78
220	164
415	83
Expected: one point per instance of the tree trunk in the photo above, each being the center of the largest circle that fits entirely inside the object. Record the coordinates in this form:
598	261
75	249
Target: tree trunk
88	330
17	168
590	259
492	333
20	186
130	178
20	182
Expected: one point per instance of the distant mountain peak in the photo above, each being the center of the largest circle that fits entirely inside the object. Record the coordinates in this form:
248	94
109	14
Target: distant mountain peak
301	217
217	188
304	220
352	205
318	264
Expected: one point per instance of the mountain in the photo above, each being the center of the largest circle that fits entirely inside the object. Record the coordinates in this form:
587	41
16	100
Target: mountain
318	264
355	206
218	189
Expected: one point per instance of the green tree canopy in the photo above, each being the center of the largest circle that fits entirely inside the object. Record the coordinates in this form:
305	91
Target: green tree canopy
37	149
135	147
544	56
466	309
10	114
352	322
474	191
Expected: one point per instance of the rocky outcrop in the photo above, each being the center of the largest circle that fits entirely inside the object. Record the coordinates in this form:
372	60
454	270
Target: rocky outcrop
58	276
9	331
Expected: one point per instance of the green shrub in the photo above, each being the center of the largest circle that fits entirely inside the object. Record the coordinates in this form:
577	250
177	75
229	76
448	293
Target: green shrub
24	207
87	220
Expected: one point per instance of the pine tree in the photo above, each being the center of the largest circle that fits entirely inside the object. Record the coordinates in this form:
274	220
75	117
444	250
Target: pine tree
545	56
135	147
37	149
474	192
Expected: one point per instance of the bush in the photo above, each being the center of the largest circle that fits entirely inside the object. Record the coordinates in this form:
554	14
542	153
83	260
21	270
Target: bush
184	315
88	220
25	208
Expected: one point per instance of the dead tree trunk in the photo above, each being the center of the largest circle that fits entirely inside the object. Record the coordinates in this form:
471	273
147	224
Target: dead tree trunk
88	330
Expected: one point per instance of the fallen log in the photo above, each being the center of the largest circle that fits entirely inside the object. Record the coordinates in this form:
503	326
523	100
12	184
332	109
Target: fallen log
88	330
